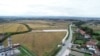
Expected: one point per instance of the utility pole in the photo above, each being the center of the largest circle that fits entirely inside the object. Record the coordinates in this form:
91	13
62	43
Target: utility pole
11	52
9	42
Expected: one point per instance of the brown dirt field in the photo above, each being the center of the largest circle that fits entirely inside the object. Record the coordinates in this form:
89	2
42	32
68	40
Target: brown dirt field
40	43
54	25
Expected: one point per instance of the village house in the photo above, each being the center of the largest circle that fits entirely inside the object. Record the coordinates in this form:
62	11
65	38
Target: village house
87	36
91	45
80	31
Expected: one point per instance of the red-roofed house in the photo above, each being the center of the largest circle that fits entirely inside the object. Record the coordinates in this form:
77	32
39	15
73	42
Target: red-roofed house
91	45
82	32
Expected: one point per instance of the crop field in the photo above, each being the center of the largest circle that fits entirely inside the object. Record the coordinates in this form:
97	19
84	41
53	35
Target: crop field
12	27
48	25
40	43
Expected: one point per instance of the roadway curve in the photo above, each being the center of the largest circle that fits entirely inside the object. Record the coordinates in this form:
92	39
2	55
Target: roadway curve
65	51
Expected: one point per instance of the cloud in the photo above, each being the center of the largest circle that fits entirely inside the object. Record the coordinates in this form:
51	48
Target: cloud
50	8
31	7
88	8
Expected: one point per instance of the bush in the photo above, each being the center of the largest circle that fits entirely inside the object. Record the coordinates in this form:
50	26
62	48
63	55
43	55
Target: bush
87	54
98	38
87	30
79	42
96	34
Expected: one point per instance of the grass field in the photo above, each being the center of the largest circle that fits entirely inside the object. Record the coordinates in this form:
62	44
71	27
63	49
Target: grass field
25	52
12	27
39	43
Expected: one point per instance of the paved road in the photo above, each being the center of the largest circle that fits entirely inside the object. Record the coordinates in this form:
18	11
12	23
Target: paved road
51	30
66	48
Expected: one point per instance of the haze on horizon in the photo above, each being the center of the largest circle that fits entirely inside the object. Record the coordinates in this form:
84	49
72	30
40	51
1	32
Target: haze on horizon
81	8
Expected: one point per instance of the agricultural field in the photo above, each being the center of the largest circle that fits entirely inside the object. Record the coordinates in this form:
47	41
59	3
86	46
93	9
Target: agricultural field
12	27
45	24
40	43
48	25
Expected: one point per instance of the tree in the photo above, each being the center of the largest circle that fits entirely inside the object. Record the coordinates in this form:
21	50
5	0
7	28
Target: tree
96	34
98	38
87	30
98	45
79	23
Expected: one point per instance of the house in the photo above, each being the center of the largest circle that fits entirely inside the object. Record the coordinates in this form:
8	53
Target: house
87	36
97	52
80	31
91	45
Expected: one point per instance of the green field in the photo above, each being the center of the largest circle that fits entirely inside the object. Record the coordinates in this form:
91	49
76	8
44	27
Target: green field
25	52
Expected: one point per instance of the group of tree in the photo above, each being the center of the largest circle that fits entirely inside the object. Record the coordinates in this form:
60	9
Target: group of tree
79	23
87	30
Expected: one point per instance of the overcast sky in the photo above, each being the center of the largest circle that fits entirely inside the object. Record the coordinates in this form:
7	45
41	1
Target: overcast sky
89	8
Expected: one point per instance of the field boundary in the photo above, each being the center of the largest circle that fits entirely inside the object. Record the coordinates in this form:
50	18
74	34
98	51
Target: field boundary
24	50
68	31
8	34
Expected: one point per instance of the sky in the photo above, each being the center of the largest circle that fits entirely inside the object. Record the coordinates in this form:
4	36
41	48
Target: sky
81	8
